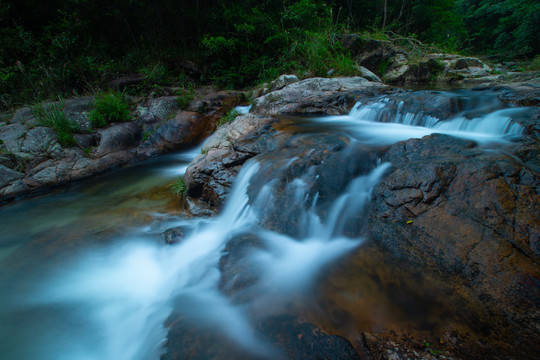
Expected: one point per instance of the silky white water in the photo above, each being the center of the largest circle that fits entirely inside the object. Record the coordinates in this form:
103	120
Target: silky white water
106	291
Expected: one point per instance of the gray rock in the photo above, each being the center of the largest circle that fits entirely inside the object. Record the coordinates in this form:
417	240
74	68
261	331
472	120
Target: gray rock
365	73
187	128
487	80
86	140
11	135
464	63
8	175
210	175
157	109
283	81
118	137
316	96
40	142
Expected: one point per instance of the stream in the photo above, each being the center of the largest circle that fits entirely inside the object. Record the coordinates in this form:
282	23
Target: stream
85	273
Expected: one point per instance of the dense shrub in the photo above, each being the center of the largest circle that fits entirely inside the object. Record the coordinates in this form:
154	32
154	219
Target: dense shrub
108	108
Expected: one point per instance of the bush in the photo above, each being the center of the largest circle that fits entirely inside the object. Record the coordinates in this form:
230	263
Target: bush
108	108
185	95
53	116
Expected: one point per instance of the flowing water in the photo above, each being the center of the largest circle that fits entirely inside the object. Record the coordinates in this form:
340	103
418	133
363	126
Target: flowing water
85	273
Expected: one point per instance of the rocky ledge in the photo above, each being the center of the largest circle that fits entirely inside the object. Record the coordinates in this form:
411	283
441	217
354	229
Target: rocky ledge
448	209
32	159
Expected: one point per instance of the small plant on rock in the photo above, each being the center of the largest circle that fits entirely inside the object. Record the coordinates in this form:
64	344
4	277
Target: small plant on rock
53	116
108	108
229	117
179	187
185	95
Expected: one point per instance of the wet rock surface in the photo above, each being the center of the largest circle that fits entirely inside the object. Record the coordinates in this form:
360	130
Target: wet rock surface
210	175
451	207
465	215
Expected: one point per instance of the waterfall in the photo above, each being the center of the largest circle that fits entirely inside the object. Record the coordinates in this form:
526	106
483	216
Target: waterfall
388	120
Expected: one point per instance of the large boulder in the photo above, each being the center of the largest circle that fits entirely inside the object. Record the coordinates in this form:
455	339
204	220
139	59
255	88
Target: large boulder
185	129
317	96
471	215
210	175
118	137
283	81
8	175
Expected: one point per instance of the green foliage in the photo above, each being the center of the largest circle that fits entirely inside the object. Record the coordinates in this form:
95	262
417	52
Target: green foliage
185	95
229	117
108	108
53	116
505	28
179	187
62	47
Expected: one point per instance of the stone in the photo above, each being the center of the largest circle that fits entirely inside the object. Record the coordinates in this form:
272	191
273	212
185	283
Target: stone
185	129
464	63
283	81
316	96
8	175
157	110
473	217
365	73
123	82
173	235
118	137
210	175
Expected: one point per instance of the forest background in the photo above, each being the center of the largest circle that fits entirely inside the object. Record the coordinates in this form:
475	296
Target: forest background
71	47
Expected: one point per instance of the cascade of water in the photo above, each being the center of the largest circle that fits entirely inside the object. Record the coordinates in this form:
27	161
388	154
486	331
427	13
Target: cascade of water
127	291
386	121
120	296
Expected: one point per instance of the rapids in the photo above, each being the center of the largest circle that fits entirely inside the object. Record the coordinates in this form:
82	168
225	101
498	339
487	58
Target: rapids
85	273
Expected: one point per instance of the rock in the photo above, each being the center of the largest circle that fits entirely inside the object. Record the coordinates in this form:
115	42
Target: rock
8	175
77	111
479	72
11	136
522	94
486	80
123	82
285	337
376	55
365	73
86	141
40	142
118	137
173	235
464	63
157	110
210	175
403	72
22	115
283	81
316	96
185	129
473	217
